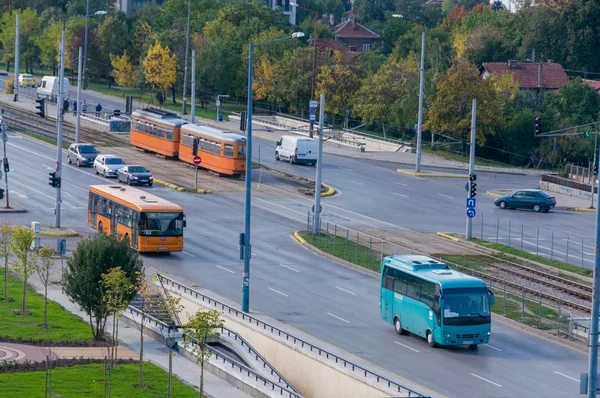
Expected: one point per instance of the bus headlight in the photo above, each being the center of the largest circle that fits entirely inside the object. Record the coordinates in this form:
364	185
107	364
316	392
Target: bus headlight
447	335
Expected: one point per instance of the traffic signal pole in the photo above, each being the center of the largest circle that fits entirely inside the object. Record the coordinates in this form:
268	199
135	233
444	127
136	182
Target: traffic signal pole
59	124
594	168
5	173
471	164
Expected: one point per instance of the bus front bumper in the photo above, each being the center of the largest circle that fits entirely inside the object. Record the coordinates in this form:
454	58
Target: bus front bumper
466	339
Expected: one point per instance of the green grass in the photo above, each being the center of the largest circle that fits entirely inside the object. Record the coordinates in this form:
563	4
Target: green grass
88	381
528	256
64	326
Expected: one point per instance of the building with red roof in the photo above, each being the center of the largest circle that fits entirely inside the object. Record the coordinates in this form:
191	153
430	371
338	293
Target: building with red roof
530	75
356	37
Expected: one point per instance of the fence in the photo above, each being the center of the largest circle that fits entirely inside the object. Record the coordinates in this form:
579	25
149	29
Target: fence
581	174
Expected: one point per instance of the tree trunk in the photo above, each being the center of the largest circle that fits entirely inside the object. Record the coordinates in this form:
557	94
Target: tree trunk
114	344
92	327
173	93
6	278
201	377
117	341
46	304
24	295
141	352
8	66
46	384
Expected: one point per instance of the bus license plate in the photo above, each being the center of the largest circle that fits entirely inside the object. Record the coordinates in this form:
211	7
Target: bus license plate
163	248
467	341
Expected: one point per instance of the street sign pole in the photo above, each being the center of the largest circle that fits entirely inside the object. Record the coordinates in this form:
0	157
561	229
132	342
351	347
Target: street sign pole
317	211
4	139
471	164
197	160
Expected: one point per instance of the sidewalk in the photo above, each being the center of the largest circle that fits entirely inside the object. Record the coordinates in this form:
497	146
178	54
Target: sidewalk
563	202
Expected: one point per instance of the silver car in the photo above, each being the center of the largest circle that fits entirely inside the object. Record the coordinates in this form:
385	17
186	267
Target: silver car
108	165
81	154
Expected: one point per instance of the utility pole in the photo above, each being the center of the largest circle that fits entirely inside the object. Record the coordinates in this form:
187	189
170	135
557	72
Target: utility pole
317	207
4	139
593	336
187	51
594	168
421	84
16	98
85	43
194	88
314	69
78	120
471	164
59	124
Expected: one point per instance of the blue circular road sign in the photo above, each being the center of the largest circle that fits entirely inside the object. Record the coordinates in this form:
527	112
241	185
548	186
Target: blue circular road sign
471	212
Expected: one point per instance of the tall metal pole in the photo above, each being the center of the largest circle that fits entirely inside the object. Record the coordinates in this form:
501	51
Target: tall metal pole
314	68
59	123
187	51
85	43
472	162
218	104
247	247
78	120
593	337
194	87
16	85
421	84
594	168
317	211
5	174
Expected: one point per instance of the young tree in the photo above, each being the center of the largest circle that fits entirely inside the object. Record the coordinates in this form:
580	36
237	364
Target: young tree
6	231
172	306
24	264
123	70
160	68
198	329
92	258
45	262
118	289
339	82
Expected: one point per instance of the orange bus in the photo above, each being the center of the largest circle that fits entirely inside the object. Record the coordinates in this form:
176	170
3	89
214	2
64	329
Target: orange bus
156	130
222	151
149	223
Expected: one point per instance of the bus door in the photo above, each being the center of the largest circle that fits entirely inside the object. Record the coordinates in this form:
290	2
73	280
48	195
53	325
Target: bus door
387	301
113	220
135	228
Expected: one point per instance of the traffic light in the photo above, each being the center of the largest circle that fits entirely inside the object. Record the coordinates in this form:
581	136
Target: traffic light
6	166
1	193
473	190
195	146
538	125
586	134
595	170
57	185
243	121
473	177
41	106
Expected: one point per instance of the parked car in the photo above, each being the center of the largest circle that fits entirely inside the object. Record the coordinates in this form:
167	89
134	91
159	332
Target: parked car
26	80
82	154
108	165
534	199
134	174
297	149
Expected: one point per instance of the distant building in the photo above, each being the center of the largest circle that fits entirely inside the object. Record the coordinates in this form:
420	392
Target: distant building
530	75
595	84
285	6
356	37
515	5
329	45
130	7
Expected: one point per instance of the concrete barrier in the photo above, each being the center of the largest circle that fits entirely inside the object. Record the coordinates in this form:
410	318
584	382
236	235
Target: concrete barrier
557	188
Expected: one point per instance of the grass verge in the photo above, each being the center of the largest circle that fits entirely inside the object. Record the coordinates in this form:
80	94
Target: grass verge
63	325
88	381
528	256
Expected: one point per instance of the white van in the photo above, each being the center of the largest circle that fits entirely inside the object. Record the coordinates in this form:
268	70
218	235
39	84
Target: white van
48	88
297	149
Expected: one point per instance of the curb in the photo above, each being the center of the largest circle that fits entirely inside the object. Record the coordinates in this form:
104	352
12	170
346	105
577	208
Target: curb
443	235
433	175
582	210
69	233
181	189
299	238
330	191
493	194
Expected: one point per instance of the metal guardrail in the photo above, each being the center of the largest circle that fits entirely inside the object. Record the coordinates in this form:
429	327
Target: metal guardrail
289	390
291	338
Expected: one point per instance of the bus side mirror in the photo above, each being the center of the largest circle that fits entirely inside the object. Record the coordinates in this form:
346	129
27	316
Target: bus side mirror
492	298
184	222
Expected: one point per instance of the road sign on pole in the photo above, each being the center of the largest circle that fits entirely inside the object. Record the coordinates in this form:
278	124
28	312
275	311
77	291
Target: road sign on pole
471	203
313	104
197	160
471	212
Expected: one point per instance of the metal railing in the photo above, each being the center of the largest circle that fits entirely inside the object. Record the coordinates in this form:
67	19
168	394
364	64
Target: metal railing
348	365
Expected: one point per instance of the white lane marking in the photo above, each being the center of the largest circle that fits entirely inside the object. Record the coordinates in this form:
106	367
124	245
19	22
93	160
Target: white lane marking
405	346
253	254
335	316
41	193
344	290
48	167
399	194
188	254
484	379
356	182
399	183
225	269
345	169
445	196
277	291
568	377
492	347
18	194
293	269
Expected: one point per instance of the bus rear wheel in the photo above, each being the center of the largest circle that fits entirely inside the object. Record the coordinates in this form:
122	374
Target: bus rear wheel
398	327
431	340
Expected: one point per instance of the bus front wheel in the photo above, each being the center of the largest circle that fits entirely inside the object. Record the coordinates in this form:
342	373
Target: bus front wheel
431	340
398	327
473	347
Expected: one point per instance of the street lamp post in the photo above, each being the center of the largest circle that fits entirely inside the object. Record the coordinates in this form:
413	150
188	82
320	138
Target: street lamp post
314	63
246	249
187	50
85	43
421	83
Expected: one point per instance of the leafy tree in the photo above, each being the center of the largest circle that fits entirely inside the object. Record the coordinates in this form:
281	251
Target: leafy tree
368	9
160	68
123	70
48	42
28	24
339	82
143	37
118	289
45	262
516	139
115	33
579	22
22	238
6	232
539	28
92	258
202	325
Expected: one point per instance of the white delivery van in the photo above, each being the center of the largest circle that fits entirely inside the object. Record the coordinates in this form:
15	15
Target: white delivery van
48	88
297	149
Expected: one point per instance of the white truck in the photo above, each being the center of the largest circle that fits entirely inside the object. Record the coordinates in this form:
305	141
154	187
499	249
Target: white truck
297	149
48	88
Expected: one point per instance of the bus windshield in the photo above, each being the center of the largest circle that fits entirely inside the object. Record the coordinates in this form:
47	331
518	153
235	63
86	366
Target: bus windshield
466	306
164	224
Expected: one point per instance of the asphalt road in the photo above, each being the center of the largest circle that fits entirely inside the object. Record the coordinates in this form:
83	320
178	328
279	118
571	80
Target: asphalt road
313	294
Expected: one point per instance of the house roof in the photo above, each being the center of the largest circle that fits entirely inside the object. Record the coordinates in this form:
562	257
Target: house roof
592	83
350	29
528	73
330	44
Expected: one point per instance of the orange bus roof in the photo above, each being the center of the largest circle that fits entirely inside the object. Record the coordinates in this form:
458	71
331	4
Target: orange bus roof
135	198
213	132
159	116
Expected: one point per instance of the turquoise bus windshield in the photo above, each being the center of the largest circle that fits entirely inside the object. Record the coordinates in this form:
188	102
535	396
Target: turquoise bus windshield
466	306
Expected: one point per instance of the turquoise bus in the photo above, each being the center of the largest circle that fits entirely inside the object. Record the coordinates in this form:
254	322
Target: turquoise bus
425	297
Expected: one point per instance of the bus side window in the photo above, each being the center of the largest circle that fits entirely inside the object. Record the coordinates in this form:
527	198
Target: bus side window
414	287
228	150
388	281
400	283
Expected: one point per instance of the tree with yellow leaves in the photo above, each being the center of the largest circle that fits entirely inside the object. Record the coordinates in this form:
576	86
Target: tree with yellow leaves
339	82
123	70
160	68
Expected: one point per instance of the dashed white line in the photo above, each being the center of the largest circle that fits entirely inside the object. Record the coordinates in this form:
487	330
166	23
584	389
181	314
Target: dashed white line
293	269
492	347
405	346
344	290
399	183
277	291
335	316
41	193
345	169
484	379
445	196
356	182
253	254
225	269
399	194
188	254
564	375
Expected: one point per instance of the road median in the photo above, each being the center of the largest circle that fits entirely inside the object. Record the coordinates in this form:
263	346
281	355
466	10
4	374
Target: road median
180	188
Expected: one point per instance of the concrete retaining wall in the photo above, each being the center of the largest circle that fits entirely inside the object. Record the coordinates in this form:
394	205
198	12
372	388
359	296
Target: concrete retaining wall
577	193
